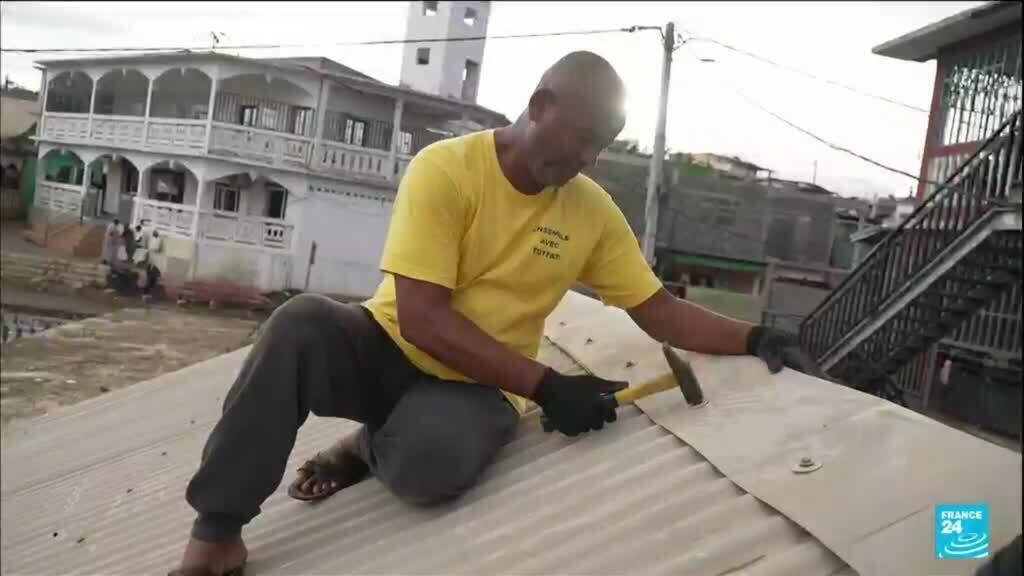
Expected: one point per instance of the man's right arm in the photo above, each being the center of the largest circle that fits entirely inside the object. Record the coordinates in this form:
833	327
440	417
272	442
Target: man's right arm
422	254
428	321
573	404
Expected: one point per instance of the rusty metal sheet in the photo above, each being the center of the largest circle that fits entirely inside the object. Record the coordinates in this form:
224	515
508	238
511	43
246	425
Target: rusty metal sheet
883	467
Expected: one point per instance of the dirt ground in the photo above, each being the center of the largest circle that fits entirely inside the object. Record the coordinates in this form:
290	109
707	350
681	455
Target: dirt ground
82	359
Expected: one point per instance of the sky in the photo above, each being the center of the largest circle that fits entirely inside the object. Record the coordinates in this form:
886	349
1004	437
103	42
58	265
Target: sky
706	111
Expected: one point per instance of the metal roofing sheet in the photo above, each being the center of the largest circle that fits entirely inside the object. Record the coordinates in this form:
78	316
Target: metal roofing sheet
98	489
881	469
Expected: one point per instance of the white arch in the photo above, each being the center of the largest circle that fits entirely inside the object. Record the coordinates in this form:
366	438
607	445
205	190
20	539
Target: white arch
86	155
280	87
45	148
183	69
171	98
62	150
67	83
57	72
174	164
124	70
294	185
116	155
50	80
309	83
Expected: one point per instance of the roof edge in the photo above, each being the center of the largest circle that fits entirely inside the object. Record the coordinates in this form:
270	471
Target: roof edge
926	42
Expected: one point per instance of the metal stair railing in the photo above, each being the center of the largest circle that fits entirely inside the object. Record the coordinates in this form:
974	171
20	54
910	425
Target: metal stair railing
982	183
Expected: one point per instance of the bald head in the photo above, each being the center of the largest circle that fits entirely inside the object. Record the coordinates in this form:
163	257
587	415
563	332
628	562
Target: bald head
575	112
583	75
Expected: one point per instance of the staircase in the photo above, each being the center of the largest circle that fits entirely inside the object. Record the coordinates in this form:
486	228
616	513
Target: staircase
959	250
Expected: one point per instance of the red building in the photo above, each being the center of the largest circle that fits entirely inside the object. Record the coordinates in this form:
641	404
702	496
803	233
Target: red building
932	316
977	81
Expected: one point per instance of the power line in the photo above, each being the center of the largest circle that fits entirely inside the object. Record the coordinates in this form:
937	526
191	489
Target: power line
626	30
814	136
853	89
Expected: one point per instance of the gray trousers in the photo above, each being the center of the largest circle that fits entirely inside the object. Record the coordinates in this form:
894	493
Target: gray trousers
426	439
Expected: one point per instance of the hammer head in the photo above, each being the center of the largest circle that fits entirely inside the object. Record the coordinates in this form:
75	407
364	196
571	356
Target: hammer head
684	375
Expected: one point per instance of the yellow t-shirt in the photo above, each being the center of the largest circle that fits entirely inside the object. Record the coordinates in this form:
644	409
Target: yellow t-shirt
508	257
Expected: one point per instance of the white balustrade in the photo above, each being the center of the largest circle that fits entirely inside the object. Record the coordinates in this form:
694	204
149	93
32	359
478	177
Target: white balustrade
118	129
245	230
273	148
217	227
175	134
346	159
163	134
59	197
65	126
403	162
187	136
167	217
277	235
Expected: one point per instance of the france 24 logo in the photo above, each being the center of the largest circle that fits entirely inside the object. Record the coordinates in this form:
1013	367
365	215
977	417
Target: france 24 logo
961	530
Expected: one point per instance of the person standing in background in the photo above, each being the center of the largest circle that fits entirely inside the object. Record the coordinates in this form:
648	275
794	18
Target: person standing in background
129	243
110	242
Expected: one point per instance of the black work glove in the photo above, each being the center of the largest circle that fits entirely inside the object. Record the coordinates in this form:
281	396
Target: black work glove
576	404
779	349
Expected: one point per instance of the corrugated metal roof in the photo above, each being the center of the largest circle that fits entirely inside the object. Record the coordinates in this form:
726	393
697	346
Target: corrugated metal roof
883	468
98	489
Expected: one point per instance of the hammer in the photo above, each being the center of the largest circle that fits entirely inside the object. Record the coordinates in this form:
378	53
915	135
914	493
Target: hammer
682	376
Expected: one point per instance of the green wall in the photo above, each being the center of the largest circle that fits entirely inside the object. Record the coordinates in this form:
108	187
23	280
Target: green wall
55	161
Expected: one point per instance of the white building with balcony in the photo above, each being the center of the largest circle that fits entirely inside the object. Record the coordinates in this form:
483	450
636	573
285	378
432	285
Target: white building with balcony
268	173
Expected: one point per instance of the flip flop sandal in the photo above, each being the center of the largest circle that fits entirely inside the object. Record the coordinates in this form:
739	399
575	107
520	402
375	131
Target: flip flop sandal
204	571
346	471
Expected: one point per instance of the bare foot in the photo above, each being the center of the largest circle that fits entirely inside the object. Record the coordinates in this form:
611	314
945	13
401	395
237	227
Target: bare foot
336	468
209	557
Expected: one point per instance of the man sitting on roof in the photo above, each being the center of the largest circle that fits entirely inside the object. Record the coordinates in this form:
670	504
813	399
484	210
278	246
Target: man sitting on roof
489	231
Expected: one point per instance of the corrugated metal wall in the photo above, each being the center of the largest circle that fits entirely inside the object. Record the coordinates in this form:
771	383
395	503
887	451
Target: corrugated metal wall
724	217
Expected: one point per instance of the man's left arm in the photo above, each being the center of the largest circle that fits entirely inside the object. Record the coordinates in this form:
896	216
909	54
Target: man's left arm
618	272
692	327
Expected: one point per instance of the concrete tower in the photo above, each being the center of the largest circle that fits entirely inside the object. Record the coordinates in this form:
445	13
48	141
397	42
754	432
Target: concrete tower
449	69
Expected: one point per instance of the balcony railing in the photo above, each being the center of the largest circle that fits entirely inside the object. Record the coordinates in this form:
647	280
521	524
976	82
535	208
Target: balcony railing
65	126
274	148
345	159
402	162
167	217
59	197
176	220
119	129
187	136
246	230
162	134
176	135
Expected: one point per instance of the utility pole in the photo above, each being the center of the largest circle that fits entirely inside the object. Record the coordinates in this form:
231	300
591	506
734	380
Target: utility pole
658	157
814	177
